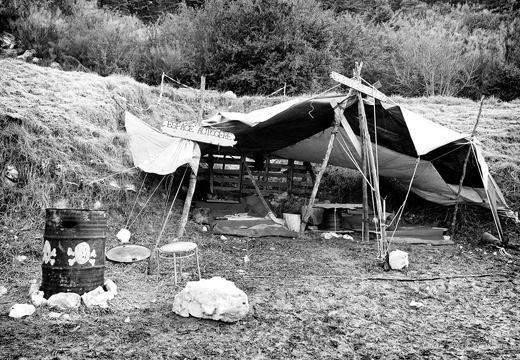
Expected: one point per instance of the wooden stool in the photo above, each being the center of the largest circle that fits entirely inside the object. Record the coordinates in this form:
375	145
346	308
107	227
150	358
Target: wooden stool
177	251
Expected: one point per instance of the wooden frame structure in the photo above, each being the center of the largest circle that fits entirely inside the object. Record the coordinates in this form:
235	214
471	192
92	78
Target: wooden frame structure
227	173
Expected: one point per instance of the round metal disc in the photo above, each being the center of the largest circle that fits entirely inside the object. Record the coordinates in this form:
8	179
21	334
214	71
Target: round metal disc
128	253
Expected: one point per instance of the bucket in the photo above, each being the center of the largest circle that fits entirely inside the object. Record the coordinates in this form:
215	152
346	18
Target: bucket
73	250
293	221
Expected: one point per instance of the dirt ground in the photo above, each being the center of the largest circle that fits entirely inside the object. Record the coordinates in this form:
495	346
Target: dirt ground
310	298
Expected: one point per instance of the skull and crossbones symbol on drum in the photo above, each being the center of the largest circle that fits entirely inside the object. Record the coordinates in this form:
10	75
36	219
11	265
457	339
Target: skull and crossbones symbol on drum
82	254
48	254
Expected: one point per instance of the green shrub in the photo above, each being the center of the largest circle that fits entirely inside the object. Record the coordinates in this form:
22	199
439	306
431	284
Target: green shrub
41	30
102	41
260	46
169	50
356	40
255	46
504	83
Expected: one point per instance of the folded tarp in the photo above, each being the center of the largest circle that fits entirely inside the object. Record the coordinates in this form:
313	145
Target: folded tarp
252	228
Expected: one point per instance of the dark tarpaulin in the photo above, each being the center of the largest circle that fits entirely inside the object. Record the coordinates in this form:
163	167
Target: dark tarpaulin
286	128
392	133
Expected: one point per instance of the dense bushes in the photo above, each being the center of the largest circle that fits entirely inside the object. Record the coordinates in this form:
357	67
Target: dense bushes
257	46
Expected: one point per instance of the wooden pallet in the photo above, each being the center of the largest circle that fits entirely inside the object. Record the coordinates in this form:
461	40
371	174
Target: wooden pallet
226	173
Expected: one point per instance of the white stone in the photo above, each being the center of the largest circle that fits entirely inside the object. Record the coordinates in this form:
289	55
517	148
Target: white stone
55	65
34	288
216	299
329	235
97	297
416	304
89	297
20	310
111	286
27	55
3	290
54	315
64	301
123	235
398	259
37	299
230	94
130	187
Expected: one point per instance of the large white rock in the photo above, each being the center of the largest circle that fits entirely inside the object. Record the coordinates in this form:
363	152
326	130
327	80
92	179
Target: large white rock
215	298
64	301
398	259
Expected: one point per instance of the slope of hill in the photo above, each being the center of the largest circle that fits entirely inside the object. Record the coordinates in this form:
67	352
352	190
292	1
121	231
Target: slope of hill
60	129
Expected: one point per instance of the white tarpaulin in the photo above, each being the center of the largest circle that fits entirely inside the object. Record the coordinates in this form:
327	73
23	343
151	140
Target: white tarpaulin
158	153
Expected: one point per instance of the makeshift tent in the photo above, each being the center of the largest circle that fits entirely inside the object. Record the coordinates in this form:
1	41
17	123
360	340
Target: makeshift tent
409	147
420	153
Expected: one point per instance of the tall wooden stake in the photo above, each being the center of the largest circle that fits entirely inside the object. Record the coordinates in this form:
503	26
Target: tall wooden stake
337	119
202	90
466	160
187	203
383	245
365	227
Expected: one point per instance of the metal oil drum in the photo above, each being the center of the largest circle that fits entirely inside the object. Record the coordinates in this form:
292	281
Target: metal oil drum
73	250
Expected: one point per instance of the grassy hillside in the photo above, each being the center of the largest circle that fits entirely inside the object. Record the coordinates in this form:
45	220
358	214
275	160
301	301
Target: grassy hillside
64	133
62	130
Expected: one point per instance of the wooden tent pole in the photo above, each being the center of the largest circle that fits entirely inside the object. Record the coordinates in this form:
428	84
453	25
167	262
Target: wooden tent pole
365	228
383	245
466	160
187	203
338	111
264	202
202	90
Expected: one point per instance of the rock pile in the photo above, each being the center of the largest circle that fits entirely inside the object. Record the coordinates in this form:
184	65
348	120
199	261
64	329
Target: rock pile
98	297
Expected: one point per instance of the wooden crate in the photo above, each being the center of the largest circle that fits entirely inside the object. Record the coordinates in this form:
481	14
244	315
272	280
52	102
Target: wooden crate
227	174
